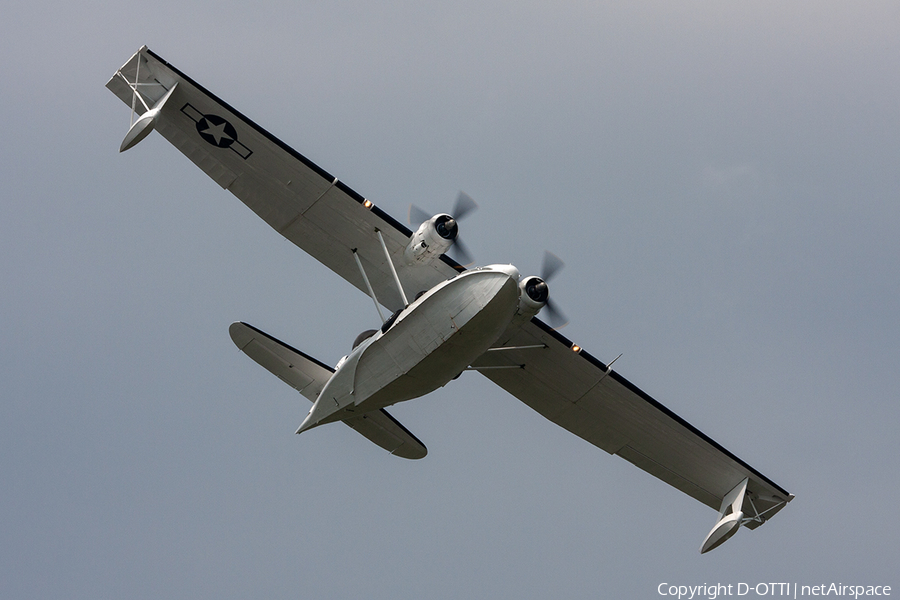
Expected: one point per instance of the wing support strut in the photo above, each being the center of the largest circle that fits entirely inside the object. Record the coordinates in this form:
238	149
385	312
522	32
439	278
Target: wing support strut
362	272
387	255
758	516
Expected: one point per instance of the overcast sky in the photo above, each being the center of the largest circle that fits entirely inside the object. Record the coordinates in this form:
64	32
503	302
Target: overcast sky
721	180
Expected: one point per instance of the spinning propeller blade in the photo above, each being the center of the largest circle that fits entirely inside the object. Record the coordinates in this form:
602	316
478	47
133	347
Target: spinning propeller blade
464	205
551	266
417	216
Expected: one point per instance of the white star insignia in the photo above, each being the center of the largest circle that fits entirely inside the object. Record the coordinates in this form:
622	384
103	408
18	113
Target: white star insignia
217	132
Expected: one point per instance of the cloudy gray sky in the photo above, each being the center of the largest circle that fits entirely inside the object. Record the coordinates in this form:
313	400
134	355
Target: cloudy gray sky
720	178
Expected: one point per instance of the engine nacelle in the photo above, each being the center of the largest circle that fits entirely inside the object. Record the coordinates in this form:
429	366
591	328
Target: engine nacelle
533	296
431	239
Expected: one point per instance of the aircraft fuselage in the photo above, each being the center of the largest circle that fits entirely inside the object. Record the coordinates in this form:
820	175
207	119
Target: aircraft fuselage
429	343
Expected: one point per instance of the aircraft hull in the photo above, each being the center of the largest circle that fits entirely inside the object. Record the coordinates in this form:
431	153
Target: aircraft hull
439	339
429	344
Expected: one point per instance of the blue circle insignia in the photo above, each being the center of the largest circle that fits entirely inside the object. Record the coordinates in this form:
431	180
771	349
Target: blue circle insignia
217	131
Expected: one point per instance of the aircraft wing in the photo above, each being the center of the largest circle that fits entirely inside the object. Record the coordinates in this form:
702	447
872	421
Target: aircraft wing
300	200
578	392
308	376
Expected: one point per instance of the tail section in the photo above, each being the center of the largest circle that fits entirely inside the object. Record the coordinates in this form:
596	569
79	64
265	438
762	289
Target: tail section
309	376
383	429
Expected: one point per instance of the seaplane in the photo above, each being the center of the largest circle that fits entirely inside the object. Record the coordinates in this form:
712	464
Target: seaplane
440	317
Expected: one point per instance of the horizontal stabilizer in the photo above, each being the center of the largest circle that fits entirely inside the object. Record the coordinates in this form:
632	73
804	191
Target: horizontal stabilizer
383	429
308	376
300	371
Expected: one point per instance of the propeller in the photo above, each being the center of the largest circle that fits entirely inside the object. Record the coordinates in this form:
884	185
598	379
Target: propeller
551	266
464	205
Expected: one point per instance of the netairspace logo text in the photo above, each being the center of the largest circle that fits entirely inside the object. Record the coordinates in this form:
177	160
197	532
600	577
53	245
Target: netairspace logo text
791	590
